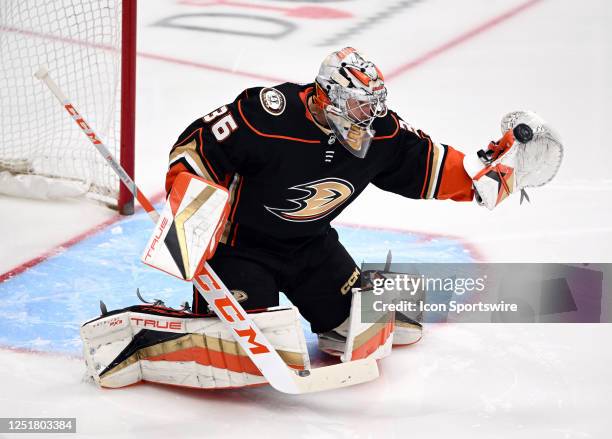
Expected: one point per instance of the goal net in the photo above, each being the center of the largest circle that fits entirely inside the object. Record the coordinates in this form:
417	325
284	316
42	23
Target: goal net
80	42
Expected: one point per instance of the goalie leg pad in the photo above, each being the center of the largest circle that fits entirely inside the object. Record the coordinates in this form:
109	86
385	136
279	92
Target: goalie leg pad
407	331
364	339
146	343
355	339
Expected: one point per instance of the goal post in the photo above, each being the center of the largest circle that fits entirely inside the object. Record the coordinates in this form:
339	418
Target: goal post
128	102
90	48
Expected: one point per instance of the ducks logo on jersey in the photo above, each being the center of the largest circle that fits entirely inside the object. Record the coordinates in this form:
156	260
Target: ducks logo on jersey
322	198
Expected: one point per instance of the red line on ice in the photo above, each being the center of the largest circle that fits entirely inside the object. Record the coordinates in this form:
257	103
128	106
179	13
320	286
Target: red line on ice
146	55
58	249
466	36
199	65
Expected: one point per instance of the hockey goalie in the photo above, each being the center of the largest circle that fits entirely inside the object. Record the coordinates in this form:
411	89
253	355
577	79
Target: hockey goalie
278	164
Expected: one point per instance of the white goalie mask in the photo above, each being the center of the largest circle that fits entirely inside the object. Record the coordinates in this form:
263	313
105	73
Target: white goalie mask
351	93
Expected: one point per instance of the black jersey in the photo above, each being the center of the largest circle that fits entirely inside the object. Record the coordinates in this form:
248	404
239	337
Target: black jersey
288	179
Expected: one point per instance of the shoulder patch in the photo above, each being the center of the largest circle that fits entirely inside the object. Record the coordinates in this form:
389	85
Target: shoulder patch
272	100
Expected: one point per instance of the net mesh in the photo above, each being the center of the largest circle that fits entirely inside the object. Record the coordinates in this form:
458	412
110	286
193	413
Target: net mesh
79	42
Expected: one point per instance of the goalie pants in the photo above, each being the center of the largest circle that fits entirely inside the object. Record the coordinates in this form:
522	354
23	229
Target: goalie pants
317	277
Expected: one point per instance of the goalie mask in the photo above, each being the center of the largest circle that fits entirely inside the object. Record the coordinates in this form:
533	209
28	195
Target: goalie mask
351	93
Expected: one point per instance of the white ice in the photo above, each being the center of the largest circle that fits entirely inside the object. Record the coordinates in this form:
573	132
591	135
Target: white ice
480	381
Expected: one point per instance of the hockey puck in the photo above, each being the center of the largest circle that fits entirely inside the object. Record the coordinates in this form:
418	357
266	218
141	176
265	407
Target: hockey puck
523	133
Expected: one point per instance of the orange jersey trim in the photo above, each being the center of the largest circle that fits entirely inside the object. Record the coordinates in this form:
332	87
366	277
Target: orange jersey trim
273	136
233	243
302	96
217	179
390	136
234	233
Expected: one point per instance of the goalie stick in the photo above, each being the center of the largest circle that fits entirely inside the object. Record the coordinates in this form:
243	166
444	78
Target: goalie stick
225	306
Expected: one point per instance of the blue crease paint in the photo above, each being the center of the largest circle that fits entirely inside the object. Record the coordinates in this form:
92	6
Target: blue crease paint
44	307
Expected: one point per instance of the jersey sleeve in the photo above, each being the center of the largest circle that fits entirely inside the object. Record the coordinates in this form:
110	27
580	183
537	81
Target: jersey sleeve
212	147
422	169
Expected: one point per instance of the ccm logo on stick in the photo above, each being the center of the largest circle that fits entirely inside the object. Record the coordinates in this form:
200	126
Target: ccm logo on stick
81	122
206	280
156	238
248	333
226	302
223	304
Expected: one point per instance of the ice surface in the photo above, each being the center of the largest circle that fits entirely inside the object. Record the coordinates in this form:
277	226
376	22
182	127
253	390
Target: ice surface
476	381
545	381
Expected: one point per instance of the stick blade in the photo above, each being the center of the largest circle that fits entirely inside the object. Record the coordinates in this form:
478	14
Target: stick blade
337	376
